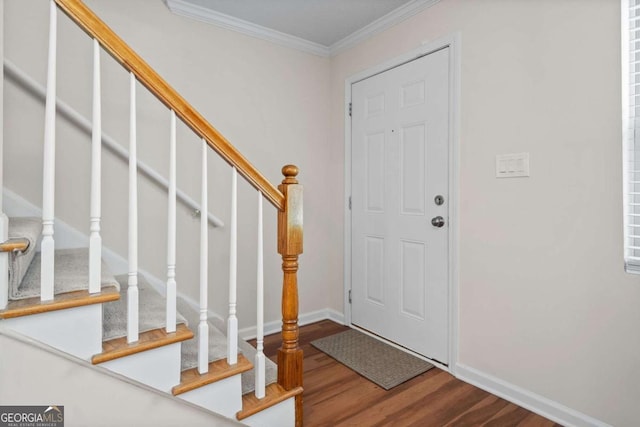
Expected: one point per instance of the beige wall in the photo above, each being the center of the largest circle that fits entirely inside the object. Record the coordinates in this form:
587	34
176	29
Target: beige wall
270	101
545	303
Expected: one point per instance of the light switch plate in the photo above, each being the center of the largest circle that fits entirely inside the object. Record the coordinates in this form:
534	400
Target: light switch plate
512	165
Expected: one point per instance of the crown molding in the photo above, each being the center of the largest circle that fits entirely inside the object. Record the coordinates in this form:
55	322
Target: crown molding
199	13
186	9
381	24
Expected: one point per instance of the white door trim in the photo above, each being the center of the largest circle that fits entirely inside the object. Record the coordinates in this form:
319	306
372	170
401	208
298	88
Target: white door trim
453	43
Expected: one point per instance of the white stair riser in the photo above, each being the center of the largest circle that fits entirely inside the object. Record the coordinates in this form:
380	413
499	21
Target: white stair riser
223	397
77	331
282	415
158	368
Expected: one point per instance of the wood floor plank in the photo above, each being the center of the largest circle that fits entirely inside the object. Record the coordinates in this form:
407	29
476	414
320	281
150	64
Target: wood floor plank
510	415
334	395
480	412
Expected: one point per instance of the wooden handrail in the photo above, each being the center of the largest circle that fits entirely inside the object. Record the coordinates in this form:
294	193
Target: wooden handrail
14	245
121	52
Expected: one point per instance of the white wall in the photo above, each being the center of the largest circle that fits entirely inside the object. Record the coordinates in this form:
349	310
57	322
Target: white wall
545	303
91	396
270	101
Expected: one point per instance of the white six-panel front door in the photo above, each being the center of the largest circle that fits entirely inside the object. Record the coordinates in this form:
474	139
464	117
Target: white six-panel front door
400	146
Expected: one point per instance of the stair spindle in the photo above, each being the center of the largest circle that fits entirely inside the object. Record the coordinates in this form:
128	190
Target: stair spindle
171	233
232	322
4	256
47	247
95	240
4	231
132	291
259	359
203	326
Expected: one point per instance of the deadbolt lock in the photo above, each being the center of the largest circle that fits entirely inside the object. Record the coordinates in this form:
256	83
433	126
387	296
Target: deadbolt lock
438	200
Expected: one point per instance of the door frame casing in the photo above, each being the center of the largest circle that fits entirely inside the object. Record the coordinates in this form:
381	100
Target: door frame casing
453	43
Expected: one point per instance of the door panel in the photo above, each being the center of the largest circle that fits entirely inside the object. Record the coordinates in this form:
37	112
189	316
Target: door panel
400	137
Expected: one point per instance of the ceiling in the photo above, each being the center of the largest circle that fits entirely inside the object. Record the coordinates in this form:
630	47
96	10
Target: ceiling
320	21
320	26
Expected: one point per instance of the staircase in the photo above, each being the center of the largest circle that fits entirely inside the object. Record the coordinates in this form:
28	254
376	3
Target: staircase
68	299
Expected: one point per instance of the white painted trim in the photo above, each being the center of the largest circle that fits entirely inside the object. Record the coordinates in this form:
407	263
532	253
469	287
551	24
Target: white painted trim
275	326
453	43
455	63
534	402
630	267
392	18
203	14
76	331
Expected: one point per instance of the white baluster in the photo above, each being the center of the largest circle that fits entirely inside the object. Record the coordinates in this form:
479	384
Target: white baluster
4	256
259	359
132	291
232	322
95	240
203	327
47	247
171	232
4	229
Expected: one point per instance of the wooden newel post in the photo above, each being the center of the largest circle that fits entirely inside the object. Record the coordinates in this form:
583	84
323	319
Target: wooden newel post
290	246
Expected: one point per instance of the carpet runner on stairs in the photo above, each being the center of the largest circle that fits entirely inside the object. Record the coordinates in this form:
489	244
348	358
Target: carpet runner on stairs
71	274
22	228
151	307
218	348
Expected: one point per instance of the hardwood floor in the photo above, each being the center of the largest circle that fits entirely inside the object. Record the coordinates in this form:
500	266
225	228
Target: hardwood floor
334	395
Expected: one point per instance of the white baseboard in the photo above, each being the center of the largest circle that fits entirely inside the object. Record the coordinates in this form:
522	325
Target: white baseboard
540	405
249	333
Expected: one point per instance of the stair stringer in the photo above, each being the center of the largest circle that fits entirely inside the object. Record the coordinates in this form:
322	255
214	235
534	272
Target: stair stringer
33	373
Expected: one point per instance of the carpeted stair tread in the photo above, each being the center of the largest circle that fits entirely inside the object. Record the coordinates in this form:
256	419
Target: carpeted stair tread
152	310
71	274
218	348
217	340
248	378
22	228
